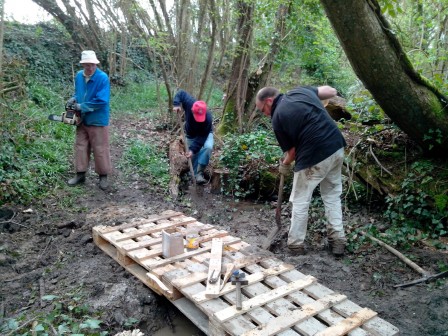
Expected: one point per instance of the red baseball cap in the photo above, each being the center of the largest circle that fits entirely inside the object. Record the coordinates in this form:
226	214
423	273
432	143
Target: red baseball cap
199	110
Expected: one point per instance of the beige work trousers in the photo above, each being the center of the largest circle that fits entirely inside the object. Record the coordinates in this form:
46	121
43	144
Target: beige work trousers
92	139
327	173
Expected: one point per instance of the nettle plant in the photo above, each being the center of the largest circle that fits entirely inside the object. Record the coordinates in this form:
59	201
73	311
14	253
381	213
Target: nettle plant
247	157
415	213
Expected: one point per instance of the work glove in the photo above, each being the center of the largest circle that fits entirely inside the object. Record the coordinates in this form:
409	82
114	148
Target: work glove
71	101
77	107
285	169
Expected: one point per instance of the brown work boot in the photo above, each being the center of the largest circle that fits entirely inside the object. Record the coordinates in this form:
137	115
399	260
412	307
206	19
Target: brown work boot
200	178
78	179
337	246
103	182
297	250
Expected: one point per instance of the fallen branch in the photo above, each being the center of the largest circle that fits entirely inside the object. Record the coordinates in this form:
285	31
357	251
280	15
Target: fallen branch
406	260
378	162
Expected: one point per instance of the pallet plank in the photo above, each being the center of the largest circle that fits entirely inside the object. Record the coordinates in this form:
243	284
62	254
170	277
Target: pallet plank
150	219
285	321
214	268
349	323
264	298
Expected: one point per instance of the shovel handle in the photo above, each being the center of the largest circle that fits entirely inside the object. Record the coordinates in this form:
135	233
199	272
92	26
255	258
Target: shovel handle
278	210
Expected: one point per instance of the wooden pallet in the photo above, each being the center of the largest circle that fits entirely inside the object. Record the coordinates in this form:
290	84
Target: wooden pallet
278	300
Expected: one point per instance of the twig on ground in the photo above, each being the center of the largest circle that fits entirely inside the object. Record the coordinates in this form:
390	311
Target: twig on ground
9	220
378	162
42	292
20	327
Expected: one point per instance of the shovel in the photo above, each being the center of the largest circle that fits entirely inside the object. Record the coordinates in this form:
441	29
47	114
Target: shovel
190	164
278	216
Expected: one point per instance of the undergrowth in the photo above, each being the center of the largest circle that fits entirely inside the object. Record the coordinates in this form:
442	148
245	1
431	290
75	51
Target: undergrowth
420	210
67	316
146	160
248	158
34	150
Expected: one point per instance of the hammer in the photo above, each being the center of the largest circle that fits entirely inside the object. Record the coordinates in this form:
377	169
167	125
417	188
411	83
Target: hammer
238	278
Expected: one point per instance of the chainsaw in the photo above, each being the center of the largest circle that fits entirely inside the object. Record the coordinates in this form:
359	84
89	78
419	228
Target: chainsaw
70	116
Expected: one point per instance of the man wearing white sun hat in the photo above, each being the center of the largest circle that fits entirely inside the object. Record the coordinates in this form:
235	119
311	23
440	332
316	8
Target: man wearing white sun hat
91	101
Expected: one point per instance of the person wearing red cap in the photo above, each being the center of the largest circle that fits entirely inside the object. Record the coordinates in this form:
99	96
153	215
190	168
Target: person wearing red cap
198	129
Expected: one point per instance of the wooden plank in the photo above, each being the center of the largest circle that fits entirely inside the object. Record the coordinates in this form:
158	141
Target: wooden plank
376	325
132	246
150	219
291	318
311	325
283	305
160	227
143	254
214	268
236	326
251	278
349	324
190	279
157	263
264	298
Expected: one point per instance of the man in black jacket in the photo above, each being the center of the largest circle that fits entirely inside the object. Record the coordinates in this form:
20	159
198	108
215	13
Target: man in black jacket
198	129
307	135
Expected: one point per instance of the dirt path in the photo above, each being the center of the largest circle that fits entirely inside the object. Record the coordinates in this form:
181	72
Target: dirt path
46	250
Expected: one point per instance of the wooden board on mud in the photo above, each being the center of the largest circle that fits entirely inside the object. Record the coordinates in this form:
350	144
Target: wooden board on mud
278	299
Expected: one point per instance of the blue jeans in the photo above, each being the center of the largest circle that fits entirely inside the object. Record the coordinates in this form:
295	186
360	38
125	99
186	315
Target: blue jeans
203	156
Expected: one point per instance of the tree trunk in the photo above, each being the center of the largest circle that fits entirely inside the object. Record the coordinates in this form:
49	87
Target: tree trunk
72	24
232	119
377	58
260	77
2	26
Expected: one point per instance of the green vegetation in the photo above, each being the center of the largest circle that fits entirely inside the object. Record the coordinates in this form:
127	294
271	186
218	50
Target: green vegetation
138	97
34	151
248	157
67	316
146	160
420	210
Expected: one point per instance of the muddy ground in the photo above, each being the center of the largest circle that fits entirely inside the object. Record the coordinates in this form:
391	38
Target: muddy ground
47	249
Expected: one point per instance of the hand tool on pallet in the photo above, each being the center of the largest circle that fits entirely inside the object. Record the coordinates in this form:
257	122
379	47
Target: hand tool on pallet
184	139
238	264
227	274
239	279
278	216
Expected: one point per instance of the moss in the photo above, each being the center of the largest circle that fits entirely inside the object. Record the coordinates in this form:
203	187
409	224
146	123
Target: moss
229	121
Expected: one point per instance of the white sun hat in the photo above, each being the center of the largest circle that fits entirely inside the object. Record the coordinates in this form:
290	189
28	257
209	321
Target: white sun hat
88	56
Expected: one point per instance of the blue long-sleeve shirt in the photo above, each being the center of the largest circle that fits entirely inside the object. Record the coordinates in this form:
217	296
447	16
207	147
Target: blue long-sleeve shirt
94	97
197	131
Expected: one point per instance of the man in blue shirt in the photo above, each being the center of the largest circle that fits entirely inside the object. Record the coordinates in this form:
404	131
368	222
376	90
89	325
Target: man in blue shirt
307	135
198	129
91	101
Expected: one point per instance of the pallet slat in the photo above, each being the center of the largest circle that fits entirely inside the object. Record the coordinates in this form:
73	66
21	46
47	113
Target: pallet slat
264	298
